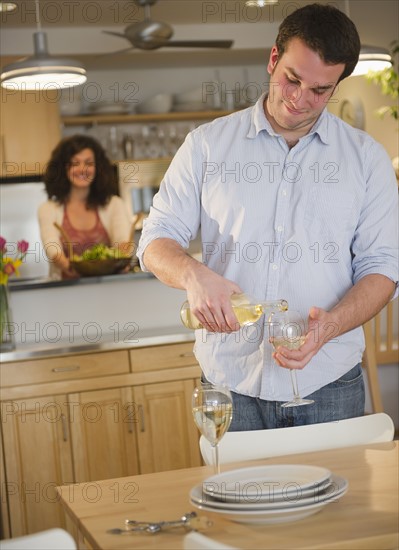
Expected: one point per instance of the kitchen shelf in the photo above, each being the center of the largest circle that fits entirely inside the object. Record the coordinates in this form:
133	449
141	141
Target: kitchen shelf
84	120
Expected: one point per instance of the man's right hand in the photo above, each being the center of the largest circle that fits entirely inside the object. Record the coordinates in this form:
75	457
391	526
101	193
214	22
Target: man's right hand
209	294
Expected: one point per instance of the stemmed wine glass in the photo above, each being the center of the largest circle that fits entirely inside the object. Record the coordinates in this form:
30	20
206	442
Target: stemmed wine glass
288	329
213	411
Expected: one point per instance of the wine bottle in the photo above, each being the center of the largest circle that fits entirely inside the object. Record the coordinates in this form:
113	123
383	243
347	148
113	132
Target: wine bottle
246	309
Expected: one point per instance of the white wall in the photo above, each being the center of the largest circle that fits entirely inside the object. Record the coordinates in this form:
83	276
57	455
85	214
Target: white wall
19	203
384	130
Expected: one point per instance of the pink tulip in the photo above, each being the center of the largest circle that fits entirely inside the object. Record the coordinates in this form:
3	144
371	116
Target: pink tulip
23	246
3	243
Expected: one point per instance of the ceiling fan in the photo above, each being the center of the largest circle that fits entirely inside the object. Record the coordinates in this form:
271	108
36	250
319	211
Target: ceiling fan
151	35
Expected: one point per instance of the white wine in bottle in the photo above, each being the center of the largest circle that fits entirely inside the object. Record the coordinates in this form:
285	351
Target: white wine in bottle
247	310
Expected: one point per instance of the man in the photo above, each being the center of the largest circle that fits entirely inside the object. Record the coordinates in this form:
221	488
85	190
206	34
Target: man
292	203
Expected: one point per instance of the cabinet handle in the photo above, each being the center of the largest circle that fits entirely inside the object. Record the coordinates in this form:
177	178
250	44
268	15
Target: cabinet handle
130	412
141	417
64	427
187	354
66	369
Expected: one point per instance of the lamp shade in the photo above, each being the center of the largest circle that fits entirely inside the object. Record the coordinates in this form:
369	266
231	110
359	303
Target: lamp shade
42	71
372	58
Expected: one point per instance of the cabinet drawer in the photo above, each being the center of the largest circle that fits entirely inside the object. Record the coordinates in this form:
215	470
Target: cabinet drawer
64	368
162	357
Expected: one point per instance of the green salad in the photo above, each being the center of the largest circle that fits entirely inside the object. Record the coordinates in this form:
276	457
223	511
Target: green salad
100	252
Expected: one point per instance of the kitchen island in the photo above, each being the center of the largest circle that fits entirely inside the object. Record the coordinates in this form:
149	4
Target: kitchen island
98	386
92	309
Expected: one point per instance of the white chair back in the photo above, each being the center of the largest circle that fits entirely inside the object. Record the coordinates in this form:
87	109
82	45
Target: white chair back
52	539
256	444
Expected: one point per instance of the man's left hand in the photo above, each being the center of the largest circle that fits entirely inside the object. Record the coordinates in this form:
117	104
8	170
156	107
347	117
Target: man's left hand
321	329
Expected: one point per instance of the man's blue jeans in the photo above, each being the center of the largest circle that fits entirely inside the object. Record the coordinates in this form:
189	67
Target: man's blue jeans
341	399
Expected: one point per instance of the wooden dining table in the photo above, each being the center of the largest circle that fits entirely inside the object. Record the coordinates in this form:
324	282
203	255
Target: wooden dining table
366	517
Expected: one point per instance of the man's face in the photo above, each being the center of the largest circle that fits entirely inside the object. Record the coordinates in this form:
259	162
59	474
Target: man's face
301	84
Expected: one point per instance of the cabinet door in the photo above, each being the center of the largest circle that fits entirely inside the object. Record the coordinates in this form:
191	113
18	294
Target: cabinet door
30	129
37	459
166	433
103	434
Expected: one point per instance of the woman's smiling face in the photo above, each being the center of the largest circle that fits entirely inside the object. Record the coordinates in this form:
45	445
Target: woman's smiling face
81	170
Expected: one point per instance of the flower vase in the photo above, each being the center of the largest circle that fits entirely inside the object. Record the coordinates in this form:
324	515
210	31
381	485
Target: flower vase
7	335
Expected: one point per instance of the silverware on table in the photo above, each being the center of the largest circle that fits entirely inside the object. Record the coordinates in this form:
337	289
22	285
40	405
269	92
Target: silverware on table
189	521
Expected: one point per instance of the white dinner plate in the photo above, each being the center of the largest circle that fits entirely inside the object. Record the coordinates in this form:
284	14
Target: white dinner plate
265	517
335	487
266	483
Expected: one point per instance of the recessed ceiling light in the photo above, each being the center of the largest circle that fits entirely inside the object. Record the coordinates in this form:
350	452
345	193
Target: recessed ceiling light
259	3
8	6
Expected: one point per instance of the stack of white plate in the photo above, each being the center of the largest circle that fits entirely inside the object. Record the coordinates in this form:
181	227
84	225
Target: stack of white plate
269	494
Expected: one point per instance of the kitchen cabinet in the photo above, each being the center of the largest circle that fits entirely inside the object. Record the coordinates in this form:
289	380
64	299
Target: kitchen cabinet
166	435
103	434
37	456
30	129
90	416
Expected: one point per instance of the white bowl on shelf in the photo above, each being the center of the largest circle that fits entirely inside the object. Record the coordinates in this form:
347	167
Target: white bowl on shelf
160	103
109	108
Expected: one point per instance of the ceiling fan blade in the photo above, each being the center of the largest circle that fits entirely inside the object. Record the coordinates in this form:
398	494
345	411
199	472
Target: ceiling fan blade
120	34
198	44
115	52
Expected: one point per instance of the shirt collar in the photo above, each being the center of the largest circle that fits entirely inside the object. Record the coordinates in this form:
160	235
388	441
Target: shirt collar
259	122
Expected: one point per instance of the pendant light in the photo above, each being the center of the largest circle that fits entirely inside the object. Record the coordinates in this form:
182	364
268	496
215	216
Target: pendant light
371	58
41	70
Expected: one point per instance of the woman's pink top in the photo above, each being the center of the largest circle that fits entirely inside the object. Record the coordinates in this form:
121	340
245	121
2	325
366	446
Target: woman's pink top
82	239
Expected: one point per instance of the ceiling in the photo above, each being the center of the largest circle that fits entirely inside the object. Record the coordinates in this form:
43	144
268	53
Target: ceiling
102	12
74	28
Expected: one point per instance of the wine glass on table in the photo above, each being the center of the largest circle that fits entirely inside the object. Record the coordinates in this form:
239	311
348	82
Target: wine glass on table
288	329
213	411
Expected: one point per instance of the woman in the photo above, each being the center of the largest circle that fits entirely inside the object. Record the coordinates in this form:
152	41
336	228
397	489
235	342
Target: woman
81	187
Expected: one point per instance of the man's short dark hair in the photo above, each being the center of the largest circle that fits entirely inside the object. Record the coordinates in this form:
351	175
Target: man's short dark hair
325	30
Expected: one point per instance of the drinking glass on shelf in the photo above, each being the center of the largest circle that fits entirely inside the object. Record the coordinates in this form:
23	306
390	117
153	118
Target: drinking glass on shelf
213	411
288	329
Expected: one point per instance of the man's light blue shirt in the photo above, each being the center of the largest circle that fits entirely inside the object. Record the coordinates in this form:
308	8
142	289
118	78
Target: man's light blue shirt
304	224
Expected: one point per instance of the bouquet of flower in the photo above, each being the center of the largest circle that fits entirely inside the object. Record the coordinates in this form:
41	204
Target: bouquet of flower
8	265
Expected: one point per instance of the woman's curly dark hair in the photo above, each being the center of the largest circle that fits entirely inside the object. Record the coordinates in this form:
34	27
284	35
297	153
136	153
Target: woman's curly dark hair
56	180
